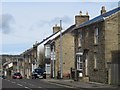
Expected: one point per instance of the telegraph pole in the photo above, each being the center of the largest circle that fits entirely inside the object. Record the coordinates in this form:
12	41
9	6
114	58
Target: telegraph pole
61	69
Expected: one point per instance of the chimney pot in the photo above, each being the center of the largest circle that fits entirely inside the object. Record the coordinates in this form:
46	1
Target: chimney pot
86	13
103	7
103	10
55	25
80	12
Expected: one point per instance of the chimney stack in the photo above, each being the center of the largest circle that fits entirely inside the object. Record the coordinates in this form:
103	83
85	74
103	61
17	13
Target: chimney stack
56	28
79	19
86	13
103	10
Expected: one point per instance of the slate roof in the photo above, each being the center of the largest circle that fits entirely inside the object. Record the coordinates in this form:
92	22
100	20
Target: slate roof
63	32
100	17
47	38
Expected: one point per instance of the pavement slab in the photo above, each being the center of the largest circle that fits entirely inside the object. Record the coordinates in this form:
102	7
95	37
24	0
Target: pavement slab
83	85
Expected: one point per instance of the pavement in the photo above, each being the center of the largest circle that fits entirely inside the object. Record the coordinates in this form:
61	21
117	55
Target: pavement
83	85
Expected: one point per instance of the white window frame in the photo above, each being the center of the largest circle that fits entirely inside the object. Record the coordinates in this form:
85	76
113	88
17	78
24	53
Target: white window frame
79	63
95	61
86	65
47	51
80	40
48	68
29	60
96	35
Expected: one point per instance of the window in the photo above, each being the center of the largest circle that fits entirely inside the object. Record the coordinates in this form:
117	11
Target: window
95	60
80	40
29	60
48	68
86	63
86	33
47	51
79	63
96	36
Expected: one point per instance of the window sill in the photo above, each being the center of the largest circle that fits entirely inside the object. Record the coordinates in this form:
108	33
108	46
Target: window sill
79	46
79	69
95	69
95	44
86	75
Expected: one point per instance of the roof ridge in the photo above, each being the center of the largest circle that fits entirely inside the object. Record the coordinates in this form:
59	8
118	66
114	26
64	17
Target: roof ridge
100	17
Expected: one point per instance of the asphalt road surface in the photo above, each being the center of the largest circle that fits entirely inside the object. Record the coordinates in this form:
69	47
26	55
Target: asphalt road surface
32	84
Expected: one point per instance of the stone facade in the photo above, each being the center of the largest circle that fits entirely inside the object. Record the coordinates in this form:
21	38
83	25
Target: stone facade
67	53
68	48
112	36
97	43
30	61
12	64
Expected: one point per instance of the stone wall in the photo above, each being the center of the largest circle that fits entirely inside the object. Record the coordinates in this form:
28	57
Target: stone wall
67	53
111	36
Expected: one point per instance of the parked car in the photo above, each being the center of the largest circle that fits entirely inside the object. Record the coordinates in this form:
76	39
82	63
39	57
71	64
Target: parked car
38	73
17	75
3	76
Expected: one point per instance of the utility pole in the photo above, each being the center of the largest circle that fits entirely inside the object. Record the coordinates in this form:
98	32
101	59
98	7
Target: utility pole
17	65
61	69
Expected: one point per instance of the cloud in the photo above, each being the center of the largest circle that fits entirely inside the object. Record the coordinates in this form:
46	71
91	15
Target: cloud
65	19
56	20
6	22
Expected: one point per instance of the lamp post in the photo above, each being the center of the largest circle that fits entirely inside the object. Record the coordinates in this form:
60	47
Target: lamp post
61	69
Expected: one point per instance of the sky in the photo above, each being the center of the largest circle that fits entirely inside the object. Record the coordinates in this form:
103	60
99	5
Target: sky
24	22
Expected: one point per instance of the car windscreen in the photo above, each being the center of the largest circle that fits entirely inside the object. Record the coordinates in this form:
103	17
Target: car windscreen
17	74
38	70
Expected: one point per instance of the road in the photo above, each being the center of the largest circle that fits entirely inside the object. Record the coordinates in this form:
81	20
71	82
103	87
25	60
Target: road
32	84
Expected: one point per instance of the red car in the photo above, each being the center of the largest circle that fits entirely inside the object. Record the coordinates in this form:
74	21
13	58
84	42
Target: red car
17	76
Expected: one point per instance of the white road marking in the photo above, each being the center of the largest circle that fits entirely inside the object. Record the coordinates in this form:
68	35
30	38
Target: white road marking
8	80
24	82
28	88
12	82
39	87
61	85
19	84
31	84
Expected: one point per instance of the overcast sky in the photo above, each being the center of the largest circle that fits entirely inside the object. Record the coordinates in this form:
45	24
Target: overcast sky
24	23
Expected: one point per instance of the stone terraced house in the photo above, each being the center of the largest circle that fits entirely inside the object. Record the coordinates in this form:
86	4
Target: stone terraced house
97	48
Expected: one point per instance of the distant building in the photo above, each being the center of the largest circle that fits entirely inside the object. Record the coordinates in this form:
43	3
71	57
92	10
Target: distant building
43	54
67	52
11	64
97	47
29	61
1	69
67	46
